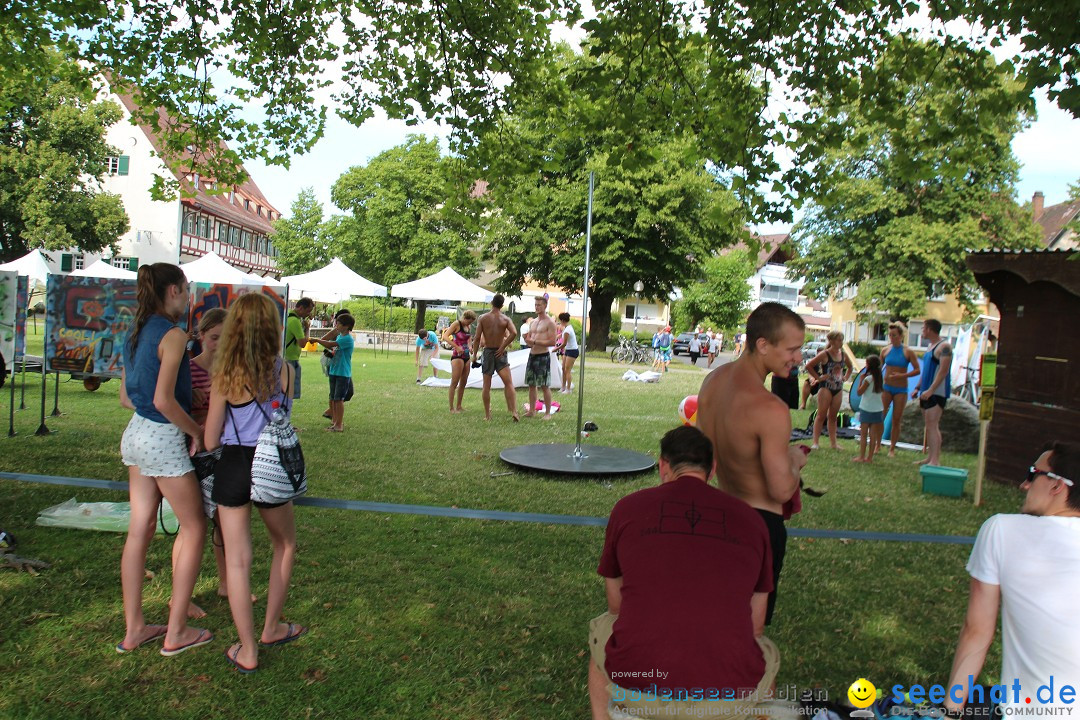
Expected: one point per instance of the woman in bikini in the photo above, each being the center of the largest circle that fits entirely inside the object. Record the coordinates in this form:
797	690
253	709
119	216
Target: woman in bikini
835	369
250	378
896	358
459	335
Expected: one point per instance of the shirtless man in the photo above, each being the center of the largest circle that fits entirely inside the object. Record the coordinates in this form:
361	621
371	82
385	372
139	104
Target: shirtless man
496	333
538	371
750	428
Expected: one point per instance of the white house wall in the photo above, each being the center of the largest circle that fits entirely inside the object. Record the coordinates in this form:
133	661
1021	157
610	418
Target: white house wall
154	224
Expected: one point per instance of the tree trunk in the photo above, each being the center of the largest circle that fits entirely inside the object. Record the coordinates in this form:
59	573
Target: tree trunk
599	321
421	312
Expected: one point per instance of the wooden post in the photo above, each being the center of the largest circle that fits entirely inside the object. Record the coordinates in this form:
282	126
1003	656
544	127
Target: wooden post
980	472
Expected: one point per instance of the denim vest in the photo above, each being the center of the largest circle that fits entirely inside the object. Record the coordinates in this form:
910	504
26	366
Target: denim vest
141	370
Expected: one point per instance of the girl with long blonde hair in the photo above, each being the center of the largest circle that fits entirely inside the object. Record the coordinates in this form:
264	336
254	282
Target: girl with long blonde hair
156	384
249	379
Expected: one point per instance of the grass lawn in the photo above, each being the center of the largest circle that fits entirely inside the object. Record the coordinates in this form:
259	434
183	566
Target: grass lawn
421	617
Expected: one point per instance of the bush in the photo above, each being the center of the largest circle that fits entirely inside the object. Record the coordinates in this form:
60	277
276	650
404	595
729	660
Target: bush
400	319
863	349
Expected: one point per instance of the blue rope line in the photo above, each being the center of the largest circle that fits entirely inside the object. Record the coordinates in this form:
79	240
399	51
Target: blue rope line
543	518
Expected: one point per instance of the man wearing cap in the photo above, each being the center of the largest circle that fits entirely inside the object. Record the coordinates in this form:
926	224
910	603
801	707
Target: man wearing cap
1028	566
687	572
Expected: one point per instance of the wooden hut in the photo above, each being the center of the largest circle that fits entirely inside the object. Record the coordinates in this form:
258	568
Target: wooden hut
1038	373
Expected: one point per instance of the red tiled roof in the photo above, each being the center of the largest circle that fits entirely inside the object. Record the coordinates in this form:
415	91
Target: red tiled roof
770	244
199	198
1054	219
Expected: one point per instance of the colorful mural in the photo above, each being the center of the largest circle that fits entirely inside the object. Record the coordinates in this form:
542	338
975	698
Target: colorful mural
206	297
88	319
22	300
9	292
86	322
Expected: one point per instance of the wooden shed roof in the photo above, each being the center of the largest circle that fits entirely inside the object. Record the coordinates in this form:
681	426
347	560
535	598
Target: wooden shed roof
1061	267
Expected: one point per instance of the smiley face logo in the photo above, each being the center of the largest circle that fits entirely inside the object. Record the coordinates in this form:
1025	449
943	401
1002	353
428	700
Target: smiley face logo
862	693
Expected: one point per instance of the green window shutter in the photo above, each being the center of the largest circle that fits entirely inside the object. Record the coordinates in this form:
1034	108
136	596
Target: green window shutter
133	264
124	161
65	262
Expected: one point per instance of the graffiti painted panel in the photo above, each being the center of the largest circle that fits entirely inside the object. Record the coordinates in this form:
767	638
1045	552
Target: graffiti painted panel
86	324
206	297
22	299
9	291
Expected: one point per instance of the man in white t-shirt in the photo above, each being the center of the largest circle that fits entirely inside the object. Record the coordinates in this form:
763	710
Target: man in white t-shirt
523	333
1029	565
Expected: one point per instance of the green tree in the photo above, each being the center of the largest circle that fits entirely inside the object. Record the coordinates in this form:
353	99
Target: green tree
722	298
301	238
657	213
52	156
204	61
409	216
895	214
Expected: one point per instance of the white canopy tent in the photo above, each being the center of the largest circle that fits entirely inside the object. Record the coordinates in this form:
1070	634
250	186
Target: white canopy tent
256	279
33	265
102	269
332	284
210	268
443	285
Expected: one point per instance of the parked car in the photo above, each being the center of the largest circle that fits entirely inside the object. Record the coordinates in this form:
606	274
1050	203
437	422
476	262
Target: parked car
682	343
812	348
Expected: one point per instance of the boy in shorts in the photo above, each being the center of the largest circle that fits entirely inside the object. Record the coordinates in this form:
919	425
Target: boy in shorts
341	385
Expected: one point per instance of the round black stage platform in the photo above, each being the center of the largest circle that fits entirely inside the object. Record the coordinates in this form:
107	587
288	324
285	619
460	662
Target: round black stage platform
594	460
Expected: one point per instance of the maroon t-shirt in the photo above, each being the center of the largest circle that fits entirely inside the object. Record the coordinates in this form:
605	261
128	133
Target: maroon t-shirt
691	557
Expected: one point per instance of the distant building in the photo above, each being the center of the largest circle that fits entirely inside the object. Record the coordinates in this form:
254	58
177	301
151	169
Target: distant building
1055	222
235	224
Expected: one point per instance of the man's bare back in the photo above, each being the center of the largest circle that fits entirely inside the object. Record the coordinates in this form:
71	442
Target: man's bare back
750	429
495	330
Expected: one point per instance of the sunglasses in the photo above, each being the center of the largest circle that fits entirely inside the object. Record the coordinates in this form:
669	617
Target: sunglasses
1033	472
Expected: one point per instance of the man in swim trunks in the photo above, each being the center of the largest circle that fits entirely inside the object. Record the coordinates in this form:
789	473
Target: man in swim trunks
750	428
497	333
538	371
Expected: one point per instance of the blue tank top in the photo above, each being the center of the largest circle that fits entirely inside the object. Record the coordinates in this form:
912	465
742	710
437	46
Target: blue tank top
141	370
929	372
896	358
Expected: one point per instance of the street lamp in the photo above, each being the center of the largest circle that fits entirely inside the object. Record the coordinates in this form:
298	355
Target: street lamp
638	287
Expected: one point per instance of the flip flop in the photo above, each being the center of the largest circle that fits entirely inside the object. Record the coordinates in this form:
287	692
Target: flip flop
204	637
156	635
236	663
294	632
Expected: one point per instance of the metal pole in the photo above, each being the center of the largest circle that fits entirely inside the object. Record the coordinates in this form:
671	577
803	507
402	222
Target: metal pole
22	392
42	428
11	408
56	401
584	319
637	302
